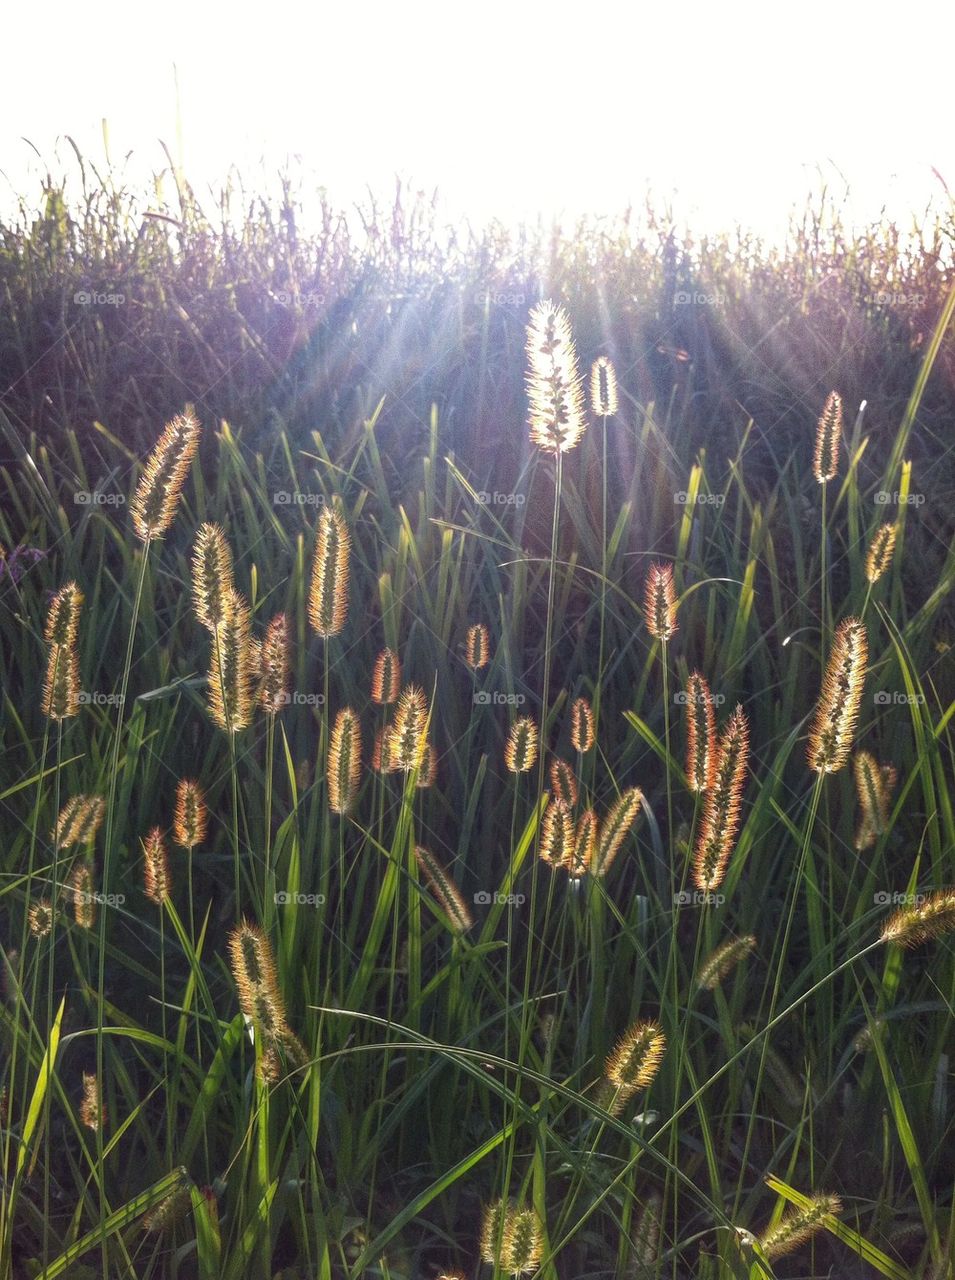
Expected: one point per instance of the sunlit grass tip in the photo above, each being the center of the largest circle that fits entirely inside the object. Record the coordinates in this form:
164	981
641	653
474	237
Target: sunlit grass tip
931	917
825	459
700	734
558	835
155	867
881	549
520	753
721	812
408	742
274	666
191	819
153	507
603	388
386	678
212	577
477	646
582	735
445	891
659	603
720	963
830	739
614	830
798	1226
328	591
344	762
554	387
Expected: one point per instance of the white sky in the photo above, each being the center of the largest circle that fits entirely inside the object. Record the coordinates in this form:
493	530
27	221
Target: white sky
728	111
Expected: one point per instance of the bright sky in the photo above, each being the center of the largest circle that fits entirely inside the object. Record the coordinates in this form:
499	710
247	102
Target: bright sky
729	111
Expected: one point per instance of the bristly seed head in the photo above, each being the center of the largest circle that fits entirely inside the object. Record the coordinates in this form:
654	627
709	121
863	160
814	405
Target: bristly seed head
408	742
256	977
563	783
344	762
721	812
554	386
700	734
582	736
212	577
660	603
157	496
477	646
874	786
825	460
520	752
637	1057
156	869
603	388
41	917
78	821
328	594
797	1227
84	901
192	817
830	739
231	675
614	830
585	845
880	552
92	1112
934	916
446	892
273	688
63	616
721	962
386	678
558	836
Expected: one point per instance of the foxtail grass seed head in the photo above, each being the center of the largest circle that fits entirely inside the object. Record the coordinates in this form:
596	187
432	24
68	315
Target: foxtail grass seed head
41	917
256	978
172	1209
700	734
381	750
191	819
230	671
830	739
825	461
554	387
525	1244
520	754
63	617
795	1228
61	687
563	783
92	1111
328	594
154	505
212	578
646	1232
585	845
934	916
477	646
636	1058
881	550
582	735
558	835
84	899
344	762
721	962
659	604
874	786
273	687
603	388
494	1227
408	742
156	867
386	678
78	821
721	810
445	891
429	768
614	830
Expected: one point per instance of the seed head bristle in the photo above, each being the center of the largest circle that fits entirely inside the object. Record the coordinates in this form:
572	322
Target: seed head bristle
881	550
554	387
494	1228
874	786
558	836
344	762
41	917
78	821
721	811
92	1111
84	901
520	753
582	736
721	962
700	734
192	817
585	845
825	460
328	594
256	977
386	678
830	739
603	387
381	750
273	689
157	495
231	675
525	1244
636	1058
646	1232
63	616
429	768
408	741
477	646
659	605
445	891
172	1209
934	916
797	1227
61	687
563	783
212	578
156	867
614	830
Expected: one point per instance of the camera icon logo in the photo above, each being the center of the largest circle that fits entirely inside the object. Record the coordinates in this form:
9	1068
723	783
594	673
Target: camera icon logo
482	898
882	699
482	698
282	898
82	498
882	899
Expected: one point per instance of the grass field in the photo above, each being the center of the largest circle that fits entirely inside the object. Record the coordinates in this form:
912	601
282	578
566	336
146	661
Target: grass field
696	1048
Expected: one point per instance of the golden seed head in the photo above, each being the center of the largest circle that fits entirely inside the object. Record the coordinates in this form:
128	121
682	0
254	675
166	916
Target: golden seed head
797	1227
830	739
63	616
212	579
61	687
614	830
78	821
273	689
41	917
192	817
721	962
84	900
156	867
563	783
659	604
231	675
168	1212
408	742
429	768
721	810
874	786
477	646
328	593
585	845
825	460
582	736
881	550
381	750
386	678
512	1238
344	762
636	1058
603	387
494	1230
92	1112
700	734
446	892
646	1232
157	495
256	977
558	835
554	388
520	752
931	918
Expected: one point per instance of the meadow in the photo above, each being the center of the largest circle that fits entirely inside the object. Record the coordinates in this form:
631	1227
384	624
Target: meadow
476	769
